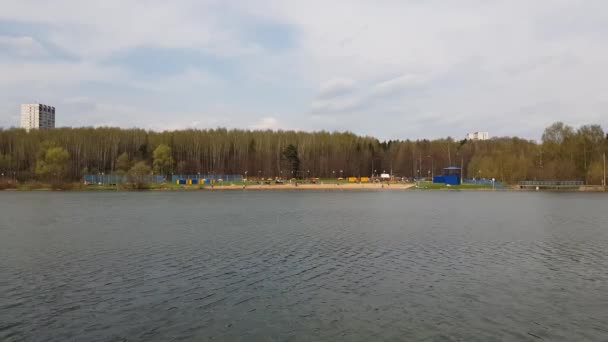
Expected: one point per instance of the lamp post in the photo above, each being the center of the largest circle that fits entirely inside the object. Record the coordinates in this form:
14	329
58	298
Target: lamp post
461	165
432	172
604	170
372	166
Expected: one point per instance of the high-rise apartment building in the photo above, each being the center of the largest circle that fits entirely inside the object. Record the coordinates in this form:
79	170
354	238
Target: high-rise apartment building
478	136
37	116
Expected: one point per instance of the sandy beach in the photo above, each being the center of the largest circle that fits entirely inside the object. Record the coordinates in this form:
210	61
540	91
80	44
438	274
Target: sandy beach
322	187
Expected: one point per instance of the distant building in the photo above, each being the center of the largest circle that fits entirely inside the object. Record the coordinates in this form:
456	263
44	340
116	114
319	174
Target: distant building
478	136
37	116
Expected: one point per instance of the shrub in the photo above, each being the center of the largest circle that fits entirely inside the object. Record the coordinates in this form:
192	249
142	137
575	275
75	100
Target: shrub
137	176
7	185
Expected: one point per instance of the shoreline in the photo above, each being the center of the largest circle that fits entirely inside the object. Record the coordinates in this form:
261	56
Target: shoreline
302	187
257	187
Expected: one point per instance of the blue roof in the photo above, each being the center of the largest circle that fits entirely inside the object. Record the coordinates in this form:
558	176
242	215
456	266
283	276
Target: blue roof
452	168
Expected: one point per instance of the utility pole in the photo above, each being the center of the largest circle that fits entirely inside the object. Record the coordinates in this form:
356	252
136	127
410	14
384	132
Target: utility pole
372	166
419	163
604	171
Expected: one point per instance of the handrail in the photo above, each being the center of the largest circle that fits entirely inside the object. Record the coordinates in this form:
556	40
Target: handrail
551	183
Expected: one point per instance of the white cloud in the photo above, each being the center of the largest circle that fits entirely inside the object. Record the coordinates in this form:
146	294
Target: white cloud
23	46
98	114
52	74
95	30
266	123
339	105
431	68
336	87
340	96
399	83
459	56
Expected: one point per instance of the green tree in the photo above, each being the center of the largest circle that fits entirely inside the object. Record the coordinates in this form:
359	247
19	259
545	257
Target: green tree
123	164
163	161
595	175
557	133
293	161
137	175
590	140
565	153
54	164
5	163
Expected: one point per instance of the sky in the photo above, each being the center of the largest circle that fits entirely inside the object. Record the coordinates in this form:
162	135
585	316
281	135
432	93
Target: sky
393	69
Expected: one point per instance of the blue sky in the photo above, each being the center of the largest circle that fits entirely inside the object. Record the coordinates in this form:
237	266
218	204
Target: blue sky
390	68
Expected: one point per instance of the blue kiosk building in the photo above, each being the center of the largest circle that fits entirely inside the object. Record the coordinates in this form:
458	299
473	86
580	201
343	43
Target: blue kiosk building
451	176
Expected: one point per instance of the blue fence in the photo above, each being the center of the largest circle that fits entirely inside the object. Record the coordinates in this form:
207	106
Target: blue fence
206	178
486	182
120	179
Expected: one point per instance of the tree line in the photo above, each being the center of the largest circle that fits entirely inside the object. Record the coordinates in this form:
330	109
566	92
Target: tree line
66	154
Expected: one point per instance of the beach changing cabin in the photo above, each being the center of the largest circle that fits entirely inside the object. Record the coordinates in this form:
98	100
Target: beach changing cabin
451	176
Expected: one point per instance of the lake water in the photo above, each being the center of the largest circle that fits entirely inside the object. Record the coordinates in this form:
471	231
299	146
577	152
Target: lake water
303	266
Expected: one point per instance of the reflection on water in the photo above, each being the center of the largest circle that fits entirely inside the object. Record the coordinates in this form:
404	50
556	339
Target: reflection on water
256	266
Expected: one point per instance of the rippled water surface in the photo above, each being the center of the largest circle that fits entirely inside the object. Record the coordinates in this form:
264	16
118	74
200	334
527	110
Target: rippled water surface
303	266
